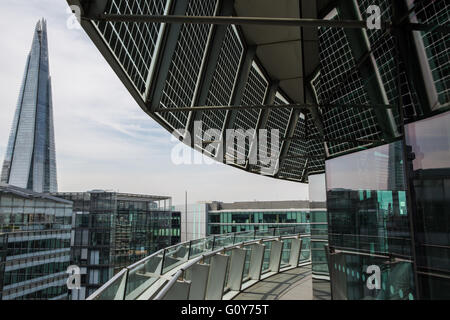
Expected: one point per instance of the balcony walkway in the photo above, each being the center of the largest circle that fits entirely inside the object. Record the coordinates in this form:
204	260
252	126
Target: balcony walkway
294	284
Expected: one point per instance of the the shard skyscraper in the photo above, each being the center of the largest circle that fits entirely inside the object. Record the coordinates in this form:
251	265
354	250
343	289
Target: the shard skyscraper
30	161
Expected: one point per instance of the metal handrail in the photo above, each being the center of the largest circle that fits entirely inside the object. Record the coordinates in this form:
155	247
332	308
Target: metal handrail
172	281
212	253
107	284
144	259
263	238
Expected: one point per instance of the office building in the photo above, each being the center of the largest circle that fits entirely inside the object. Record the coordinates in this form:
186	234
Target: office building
35	233
30	161
214	217
112	230
365	109
259	215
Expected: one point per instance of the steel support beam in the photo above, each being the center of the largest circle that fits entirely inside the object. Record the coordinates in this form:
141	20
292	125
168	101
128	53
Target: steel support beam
295	116
286	22
238	92
269	101
168	47
407	165
263	117
310	54
219	32
303	156
376	92
335	140
408	54
304	107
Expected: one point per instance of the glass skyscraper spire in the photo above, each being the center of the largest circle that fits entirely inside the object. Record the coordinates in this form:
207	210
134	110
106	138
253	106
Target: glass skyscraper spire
30	161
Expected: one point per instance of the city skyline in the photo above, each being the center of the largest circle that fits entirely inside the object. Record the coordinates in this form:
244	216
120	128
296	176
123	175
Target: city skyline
225	150
100	130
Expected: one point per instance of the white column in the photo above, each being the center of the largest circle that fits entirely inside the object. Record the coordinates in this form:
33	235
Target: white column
275	256
236	268
256	261
296	247
216	279
179	291
199	281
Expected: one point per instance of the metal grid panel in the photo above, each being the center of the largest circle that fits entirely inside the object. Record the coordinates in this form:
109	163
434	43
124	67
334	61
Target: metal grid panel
383	48
437	45
254	94
133	44
315	148
277	120
340	83
223	81
294	168
185	67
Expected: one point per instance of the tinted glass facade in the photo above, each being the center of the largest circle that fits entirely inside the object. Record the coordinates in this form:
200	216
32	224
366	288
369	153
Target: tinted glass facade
34	245
319	238
30	161
369	224
387	204
237	221
369	218
428	144
308	218
113	230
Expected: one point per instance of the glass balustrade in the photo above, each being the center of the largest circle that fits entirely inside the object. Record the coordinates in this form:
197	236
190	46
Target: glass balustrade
138	279
266	259
143	275
114	289
223	241
286	253
247	262
305	253
200	246
175	256
244	236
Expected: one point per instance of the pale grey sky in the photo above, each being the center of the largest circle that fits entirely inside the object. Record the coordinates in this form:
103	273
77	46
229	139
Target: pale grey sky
103	139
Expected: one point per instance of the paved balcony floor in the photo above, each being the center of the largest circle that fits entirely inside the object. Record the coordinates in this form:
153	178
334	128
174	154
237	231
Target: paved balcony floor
294	284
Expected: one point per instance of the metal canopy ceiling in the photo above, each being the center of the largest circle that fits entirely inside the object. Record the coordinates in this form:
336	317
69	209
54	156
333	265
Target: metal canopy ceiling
318	55
279	49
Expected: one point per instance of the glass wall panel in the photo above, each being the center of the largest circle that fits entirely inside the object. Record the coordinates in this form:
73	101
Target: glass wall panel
429	146
369	221
319	237
351	279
